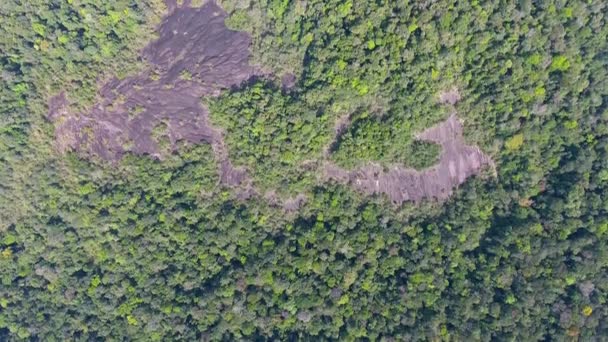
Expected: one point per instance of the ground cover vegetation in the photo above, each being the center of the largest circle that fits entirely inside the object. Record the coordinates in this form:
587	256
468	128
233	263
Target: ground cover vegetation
159	248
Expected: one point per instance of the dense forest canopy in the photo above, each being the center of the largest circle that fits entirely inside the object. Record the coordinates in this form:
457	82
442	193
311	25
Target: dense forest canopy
245	170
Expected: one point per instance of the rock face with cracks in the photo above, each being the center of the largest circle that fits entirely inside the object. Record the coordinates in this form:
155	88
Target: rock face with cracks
197	56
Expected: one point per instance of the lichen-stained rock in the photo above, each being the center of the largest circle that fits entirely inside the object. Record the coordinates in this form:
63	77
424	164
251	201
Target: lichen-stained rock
458	162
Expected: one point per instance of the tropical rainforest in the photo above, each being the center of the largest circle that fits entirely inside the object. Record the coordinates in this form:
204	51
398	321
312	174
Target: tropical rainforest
265	208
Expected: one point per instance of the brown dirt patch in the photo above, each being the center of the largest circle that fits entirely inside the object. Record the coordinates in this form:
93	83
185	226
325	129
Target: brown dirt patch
288	81
451	96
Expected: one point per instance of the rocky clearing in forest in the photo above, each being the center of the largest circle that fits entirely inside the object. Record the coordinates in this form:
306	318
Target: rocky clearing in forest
197	56
458	161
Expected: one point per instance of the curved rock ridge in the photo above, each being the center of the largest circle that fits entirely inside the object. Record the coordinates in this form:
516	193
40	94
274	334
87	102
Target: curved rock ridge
458	161
196	55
